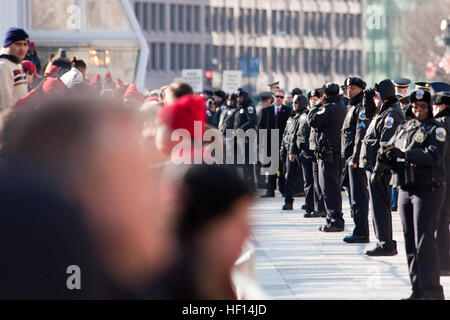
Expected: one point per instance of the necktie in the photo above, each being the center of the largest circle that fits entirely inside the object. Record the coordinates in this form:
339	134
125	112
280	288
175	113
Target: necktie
277	113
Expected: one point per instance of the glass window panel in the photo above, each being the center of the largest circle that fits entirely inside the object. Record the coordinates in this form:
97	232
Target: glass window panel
105	15
51	15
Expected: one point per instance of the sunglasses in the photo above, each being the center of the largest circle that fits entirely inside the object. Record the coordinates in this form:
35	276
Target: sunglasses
279	97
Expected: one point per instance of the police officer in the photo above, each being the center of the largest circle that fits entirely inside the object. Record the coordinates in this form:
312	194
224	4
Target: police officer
327	117
355	123
401	86
380	130
416	153
226	121
220	97
289	147
245	119
441	111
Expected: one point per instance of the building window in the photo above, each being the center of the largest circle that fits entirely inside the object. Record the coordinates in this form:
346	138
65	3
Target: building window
306	60
231	20
249	21
256	21
208	57
223	20
328	62
197	59
180	18
264	58
274	22
154	15
181	56
173	18
328	26
145	17
231	58
162	57
162	17
313	56
352	62
359	26
359	63
352	26
197	19
289	23
137	11
188	56
297	60
345	25
241	20
320	62
173	57
264	22
297	23
337	61
153	56
282	21
274	59
289	60
337	21
312	22
215	18
208	19
320	27
216	56
345	63
223	57
189	18
306	24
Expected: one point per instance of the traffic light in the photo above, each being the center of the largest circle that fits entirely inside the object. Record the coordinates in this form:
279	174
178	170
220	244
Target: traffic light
208	77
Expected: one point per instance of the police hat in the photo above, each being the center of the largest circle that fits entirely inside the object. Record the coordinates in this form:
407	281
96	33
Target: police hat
221	94
208	92
404	100
265	95
233	97
331	89
240	92
402	82
422	86
296	91
277	83
386	89
354	81
440	87
420	95
315	93
442	98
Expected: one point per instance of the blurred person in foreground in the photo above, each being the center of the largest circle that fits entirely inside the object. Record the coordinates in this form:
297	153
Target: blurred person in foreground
213	226
93	151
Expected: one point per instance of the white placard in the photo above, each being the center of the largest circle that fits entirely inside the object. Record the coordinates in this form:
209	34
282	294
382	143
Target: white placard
194	77
231	80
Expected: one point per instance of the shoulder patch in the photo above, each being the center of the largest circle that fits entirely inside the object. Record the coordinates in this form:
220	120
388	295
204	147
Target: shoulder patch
223	108
251	110
208	113
361	125
389	122
362	115
321	110
230	112
242	111
441	134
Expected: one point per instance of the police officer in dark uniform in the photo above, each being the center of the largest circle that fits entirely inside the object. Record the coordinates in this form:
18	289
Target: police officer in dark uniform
220	97
226	121
441	111
416	153
307	140
380	130
327	117
245	119
356	122
289	147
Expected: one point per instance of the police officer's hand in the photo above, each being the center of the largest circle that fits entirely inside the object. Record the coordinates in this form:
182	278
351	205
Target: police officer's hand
376	178
369	94
394	153
291	158
283	154
353	165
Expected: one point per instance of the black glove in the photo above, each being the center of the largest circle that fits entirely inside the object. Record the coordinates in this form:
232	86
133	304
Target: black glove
376	178
283	154
369	94
393	153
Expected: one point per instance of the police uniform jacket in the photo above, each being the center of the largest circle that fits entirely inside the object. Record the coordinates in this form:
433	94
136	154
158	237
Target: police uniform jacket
304	131
350	125
290	134
444	118
327	120
424	145
245	117
380	130
227	120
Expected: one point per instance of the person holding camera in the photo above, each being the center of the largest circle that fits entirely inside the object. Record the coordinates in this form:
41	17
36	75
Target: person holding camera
327	117
416	153
379	132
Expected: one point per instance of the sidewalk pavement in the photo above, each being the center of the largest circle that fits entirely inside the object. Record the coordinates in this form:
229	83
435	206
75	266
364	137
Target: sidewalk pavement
294	260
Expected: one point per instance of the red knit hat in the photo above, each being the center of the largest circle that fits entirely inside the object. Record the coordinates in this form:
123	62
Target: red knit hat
119	82
97	78
132	92
108	75
31	67
183	112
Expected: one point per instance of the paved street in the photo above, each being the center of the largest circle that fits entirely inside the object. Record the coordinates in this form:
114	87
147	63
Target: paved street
296	261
